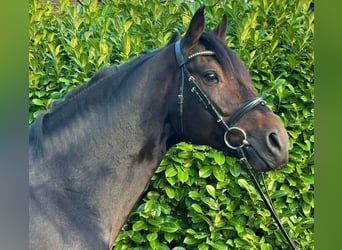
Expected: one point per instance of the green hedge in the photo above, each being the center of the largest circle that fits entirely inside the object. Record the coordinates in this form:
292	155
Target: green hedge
198	198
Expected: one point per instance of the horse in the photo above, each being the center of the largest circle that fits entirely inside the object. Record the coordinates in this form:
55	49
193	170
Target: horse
92	154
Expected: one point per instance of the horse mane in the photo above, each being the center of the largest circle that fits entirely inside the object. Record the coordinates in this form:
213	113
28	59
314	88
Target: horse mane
96	78
104	73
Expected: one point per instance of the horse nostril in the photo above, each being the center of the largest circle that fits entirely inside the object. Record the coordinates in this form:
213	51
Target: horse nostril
274	141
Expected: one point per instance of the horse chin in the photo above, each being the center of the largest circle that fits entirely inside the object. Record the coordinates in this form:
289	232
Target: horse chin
258	162
255	159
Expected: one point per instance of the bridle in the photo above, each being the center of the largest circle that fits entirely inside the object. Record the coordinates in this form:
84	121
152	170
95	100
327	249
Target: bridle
228	125
207	104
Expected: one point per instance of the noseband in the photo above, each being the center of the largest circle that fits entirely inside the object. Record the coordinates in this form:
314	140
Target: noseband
207	104
227	125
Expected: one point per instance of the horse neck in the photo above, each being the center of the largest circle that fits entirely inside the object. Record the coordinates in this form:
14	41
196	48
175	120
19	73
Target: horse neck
110	143
123	101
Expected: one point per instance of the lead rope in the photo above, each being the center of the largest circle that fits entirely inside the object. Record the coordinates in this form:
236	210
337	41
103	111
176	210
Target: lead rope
267	201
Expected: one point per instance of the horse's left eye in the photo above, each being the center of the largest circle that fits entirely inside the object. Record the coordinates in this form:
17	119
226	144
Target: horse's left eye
211	77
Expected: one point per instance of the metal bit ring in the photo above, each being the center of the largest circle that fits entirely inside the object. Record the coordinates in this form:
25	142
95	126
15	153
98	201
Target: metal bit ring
243	140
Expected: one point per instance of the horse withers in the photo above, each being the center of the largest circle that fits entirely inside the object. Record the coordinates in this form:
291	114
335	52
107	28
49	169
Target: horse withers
92	154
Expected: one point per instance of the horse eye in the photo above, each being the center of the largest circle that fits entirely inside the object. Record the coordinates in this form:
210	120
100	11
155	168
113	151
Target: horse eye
211	77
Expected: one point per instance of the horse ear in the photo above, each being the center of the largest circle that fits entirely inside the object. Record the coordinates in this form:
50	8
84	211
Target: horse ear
220	30
195	30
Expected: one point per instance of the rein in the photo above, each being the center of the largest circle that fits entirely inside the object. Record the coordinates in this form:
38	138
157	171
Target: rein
268	200
227	125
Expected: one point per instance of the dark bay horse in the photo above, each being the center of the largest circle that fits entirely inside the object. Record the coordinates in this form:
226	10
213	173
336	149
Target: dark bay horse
92	154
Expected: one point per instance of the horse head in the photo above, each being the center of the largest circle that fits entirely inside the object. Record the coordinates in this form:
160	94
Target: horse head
217	104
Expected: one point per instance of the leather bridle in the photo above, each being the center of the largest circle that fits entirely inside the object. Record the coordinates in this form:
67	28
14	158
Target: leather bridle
228	125
207	104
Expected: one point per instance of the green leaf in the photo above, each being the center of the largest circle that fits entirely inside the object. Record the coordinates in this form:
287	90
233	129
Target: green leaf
306	208
127	25
219	245
152	207
194	195
218	173
211	203
153	195
127	46
308	179
170	172
205	171
219	222
152	236
239	223
197	208
308	197
236	170
199	156
183	176
203	246
156	221
185	146
265	246
211	190
172	180
139	225
219	158
78	23
137	237
92	6
190	241
170	192
185	154
38	102
244	184
169	227
40	94
169	237
278	194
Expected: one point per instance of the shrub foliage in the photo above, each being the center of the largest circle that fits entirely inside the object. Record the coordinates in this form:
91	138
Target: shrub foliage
198	198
